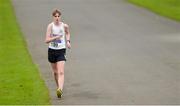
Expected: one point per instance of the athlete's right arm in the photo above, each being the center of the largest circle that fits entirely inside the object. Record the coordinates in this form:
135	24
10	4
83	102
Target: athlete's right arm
48	33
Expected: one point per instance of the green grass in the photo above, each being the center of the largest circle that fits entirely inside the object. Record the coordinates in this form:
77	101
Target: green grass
20	82
168	8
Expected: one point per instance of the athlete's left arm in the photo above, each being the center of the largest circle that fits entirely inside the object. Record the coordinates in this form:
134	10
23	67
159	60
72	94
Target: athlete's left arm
67	33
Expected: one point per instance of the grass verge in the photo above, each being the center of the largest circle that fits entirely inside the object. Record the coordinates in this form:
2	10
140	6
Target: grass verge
168	8
20	82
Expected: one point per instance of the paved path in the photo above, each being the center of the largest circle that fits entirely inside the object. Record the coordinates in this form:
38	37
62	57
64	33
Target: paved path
121	54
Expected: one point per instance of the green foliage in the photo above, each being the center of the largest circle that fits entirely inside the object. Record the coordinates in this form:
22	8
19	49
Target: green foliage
20	82
169	8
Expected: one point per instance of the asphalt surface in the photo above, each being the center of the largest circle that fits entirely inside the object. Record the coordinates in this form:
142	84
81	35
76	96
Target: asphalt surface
121	54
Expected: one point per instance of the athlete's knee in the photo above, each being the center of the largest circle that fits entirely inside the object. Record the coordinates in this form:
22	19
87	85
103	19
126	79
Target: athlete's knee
61	73
58	73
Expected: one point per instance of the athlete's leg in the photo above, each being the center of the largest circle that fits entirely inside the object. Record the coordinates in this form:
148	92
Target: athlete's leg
60	69
55	71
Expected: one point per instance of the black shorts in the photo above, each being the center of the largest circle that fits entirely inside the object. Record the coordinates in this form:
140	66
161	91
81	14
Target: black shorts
56	55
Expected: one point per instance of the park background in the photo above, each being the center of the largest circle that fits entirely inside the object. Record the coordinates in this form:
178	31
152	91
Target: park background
20	78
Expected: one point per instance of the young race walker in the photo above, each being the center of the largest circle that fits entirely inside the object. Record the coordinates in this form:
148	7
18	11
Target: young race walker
58	38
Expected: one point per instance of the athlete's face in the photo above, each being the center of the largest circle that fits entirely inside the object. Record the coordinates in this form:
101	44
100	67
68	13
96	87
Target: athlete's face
56	17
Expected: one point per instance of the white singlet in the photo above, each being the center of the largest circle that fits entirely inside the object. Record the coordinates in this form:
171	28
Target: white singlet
58	31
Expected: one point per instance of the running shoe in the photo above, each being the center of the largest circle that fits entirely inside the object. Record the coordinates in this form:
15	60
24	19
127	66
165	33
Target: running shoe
59	93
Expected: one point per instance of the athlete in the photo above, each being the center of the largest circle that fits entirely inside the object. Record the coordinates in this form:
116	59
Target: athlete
58	38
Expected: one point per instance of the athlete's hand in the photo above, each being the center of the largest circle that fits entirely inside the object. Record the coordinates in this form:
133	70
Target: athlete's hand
58	37
68	45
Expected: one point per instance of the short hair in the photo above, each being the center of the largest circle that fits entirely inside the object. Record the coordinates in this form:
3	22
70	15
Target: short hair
56	11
